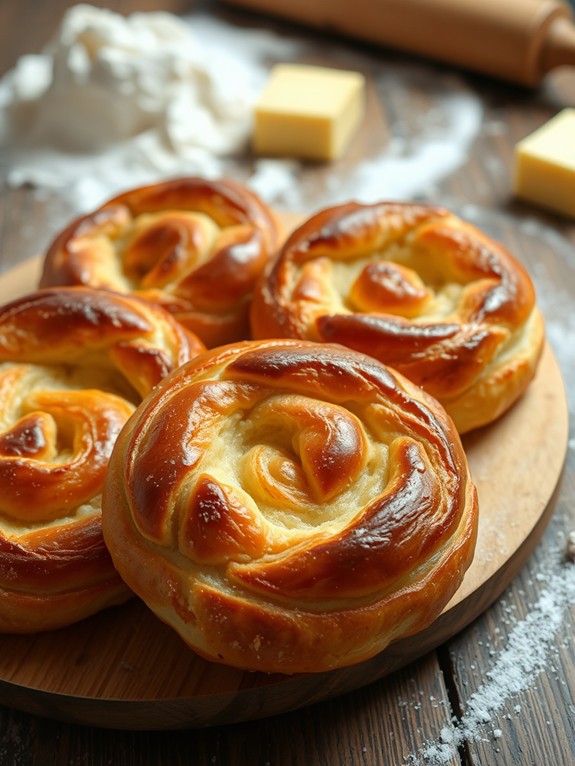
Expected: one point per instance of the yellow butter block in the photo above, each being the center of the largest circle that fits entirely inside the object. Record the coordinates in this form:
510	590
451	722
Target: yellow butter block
308	112
545	165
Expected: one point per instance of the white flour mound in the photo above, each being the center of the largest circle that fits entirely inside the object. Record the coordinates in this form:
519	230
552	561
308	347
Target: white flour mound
114	102
140	94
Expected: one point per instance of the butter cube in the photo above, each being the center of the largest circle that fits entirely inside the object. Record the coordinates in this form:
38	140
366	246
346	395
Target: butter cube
308	112
545	165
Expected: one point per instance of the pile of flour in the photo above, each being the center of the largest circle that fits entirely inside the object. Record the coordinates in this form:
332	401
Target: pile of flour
113	102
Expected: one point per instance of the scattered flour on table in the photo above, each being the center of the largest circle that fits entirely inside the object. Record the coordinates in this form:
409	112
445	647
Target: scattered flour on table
116	101
113	102
515	669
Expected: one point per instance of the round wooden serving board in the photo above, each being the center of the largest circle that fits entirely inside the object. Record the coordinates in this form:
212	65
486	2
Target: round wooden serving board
124	669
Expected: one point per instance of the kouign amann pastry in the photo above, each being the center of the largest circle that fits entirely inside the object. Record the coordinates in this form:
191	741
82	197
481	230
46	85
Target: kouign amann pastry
289	507
194	246
74	363
417	288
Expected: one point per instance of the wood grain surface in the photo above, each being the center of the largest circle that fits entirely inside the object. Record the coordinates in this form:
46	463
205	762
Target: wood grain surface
415	714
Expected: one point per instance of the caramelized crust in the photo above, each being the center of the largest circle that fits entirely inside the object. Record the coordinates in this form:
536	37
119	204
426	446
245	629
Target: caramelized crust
417	288
289	506
74	363
192	245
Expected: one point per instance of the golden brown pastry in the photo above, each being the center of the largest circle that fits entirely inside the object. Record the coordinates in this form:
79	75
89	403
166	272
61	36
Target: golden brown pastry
192	245
289	506
417	288
74	363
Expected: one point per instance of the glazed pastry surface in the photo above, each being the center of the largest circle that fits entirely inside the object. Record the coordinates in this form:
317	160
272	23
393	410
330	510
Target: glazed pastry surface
74	363
419	289
192	245
289	506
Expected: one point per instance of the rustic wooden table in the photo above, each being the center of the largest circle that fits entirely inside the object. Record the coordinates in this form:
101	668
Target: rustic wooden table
502	690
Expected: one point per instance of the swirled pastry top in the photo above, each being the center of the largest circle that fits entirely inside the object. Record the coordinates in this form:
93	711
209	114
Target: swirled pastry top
193	245
74	363
419	289
290	506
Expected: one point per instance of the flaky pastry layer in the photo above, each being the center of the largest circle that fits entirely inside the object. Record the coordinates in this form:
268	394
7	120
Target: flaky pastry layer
419	289
289	506
193	245
74	363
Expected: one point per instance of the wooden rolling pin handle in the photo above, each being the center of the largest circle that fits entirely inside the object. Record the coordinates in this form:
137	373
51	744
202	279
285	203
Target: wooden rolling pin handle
559	46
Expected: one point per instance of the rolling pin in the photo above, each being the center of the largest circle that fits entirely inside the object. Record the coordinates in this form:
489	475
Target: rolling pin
516	40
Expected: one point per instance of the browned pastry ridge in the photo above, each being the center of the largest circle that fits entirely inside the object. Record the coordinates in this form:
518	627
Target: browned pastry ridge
193	245
289	507
74	363
417	288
